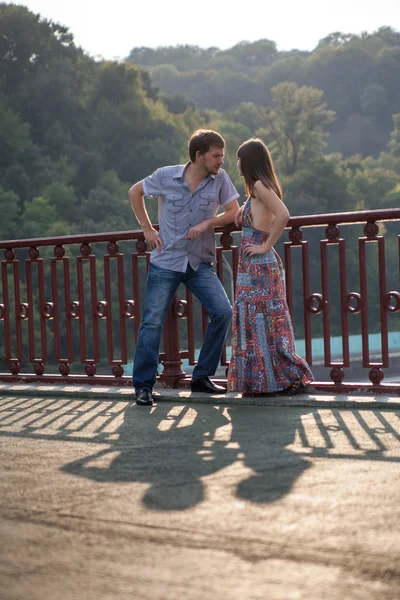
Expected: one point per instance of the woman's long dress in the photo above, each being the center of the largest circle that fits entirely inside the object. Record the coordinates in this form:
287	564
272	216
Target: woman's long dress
263	350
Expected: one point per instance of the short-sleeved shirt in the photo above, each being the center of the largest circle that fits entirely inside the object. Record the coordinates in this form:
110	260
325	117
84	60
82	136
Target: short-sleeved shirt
179	209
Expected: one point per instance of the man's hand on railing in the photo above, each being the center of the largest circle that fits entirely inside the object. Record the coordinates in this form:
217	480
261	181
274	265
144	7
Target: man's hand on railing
153	238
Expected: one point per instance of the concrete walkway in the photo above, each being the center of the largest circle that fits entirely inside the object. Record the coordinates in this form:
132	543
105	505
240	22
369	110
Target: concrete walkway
161	394
197	497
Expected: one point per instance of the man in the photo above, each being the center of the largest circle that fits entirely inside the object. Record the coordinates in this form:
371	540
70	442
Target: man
183	251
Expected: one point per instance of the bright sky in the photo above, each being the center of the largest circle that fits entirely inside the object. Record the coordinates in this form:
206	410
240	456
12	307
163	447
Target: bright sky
111	28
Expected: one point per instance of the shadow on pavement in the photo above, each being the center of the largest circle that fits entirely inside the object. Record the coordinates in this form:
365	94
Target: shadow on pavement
173	447
161	449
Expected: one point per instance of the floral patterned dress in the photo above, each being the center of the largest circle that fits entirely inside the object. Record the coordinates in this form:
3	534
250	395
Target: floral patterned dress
263	351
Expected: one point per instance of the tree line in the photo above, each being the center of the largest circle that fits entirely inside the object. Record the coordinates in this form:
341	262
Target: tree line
358	75
75	133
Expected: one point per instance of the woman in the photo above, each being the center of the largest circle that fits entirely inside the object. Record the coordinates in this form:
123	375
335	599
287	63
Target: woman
263	352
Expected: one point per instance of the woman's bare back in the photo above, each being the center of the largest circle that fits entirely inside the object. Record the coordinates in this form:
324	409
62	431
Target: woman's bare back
261	217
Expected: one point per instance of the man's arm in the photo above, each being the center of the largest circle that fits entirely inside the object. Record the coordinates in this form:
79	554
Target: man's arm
228	216
136	196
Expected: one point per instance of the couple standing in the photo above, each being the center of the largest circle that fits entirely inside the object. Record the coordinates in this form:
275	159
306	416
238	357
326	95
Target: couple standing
263	353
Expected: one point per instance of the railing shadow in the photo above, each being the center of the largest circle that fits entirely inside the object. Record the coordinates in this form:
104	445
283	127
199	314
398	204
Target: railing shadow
173	447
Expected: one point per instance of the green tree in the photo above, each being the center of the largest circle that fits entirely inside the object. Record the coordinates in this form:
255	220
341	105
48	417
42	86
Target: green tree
373	99
386	161
359	132
392	198
295	126
107	202
248	114
28	44
38	216
9	210
167	77
292	67
14	136
394	144
320	188
89	167
251	54
62	197
336	39
117	83
371	187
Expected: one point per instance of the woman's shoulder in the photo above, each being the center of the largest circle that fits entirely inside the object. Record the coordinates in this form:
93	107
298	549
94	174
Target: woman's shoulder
261	189
267	196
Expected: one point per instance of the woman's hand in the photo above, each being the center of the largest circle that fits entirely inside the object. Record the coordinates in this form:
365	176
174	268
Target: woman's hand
253	249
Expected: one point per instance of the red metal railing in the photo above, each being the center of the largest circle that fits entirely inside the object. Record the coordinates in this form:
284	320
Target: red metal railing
51	310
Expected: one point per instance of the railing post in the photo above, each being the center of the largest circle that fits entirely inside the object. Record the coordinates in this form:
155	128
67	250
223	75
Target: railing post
171	361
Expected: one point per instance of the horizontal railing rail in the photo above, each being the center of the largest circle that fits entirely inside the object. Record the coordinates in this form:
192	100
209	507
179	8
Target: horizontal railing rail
58	303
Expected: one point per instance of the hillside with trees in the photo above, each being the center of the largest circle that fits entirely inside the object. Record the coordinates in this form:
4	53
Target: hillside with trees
331	116
357	74
75	133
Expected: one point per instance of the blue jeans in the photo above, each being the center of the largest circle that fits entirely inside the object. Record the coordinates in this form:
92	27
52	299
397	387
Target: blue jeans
162	285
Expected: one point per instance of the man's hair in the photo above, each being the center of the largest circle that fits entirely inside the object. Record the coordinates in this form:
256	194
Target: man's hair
202	140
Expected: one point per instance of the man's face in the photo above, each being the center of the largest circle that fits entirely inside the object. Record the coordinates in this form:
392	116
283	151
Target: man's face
212	160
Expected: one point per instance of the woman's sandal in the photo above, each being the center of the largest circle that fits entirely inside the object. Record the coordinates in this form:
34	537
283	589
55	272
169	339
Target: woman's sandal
298	387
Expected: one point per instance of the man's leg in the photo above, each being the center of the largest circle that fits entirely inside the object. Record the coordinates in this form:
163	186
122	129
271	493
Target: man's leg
161	287
206	286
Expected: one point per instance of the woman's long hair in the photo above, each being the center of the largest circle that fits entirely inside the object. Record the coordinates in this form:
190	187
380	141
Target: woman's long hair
256	165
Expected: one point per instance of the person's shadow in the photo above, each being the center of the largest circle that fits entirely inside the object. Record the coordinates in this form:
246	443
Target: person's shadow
263	435
279	443
172	447
158	448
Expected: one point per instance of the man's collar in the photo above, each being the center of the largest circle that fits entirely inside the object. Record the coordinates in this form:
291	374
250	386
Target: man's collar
180	173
